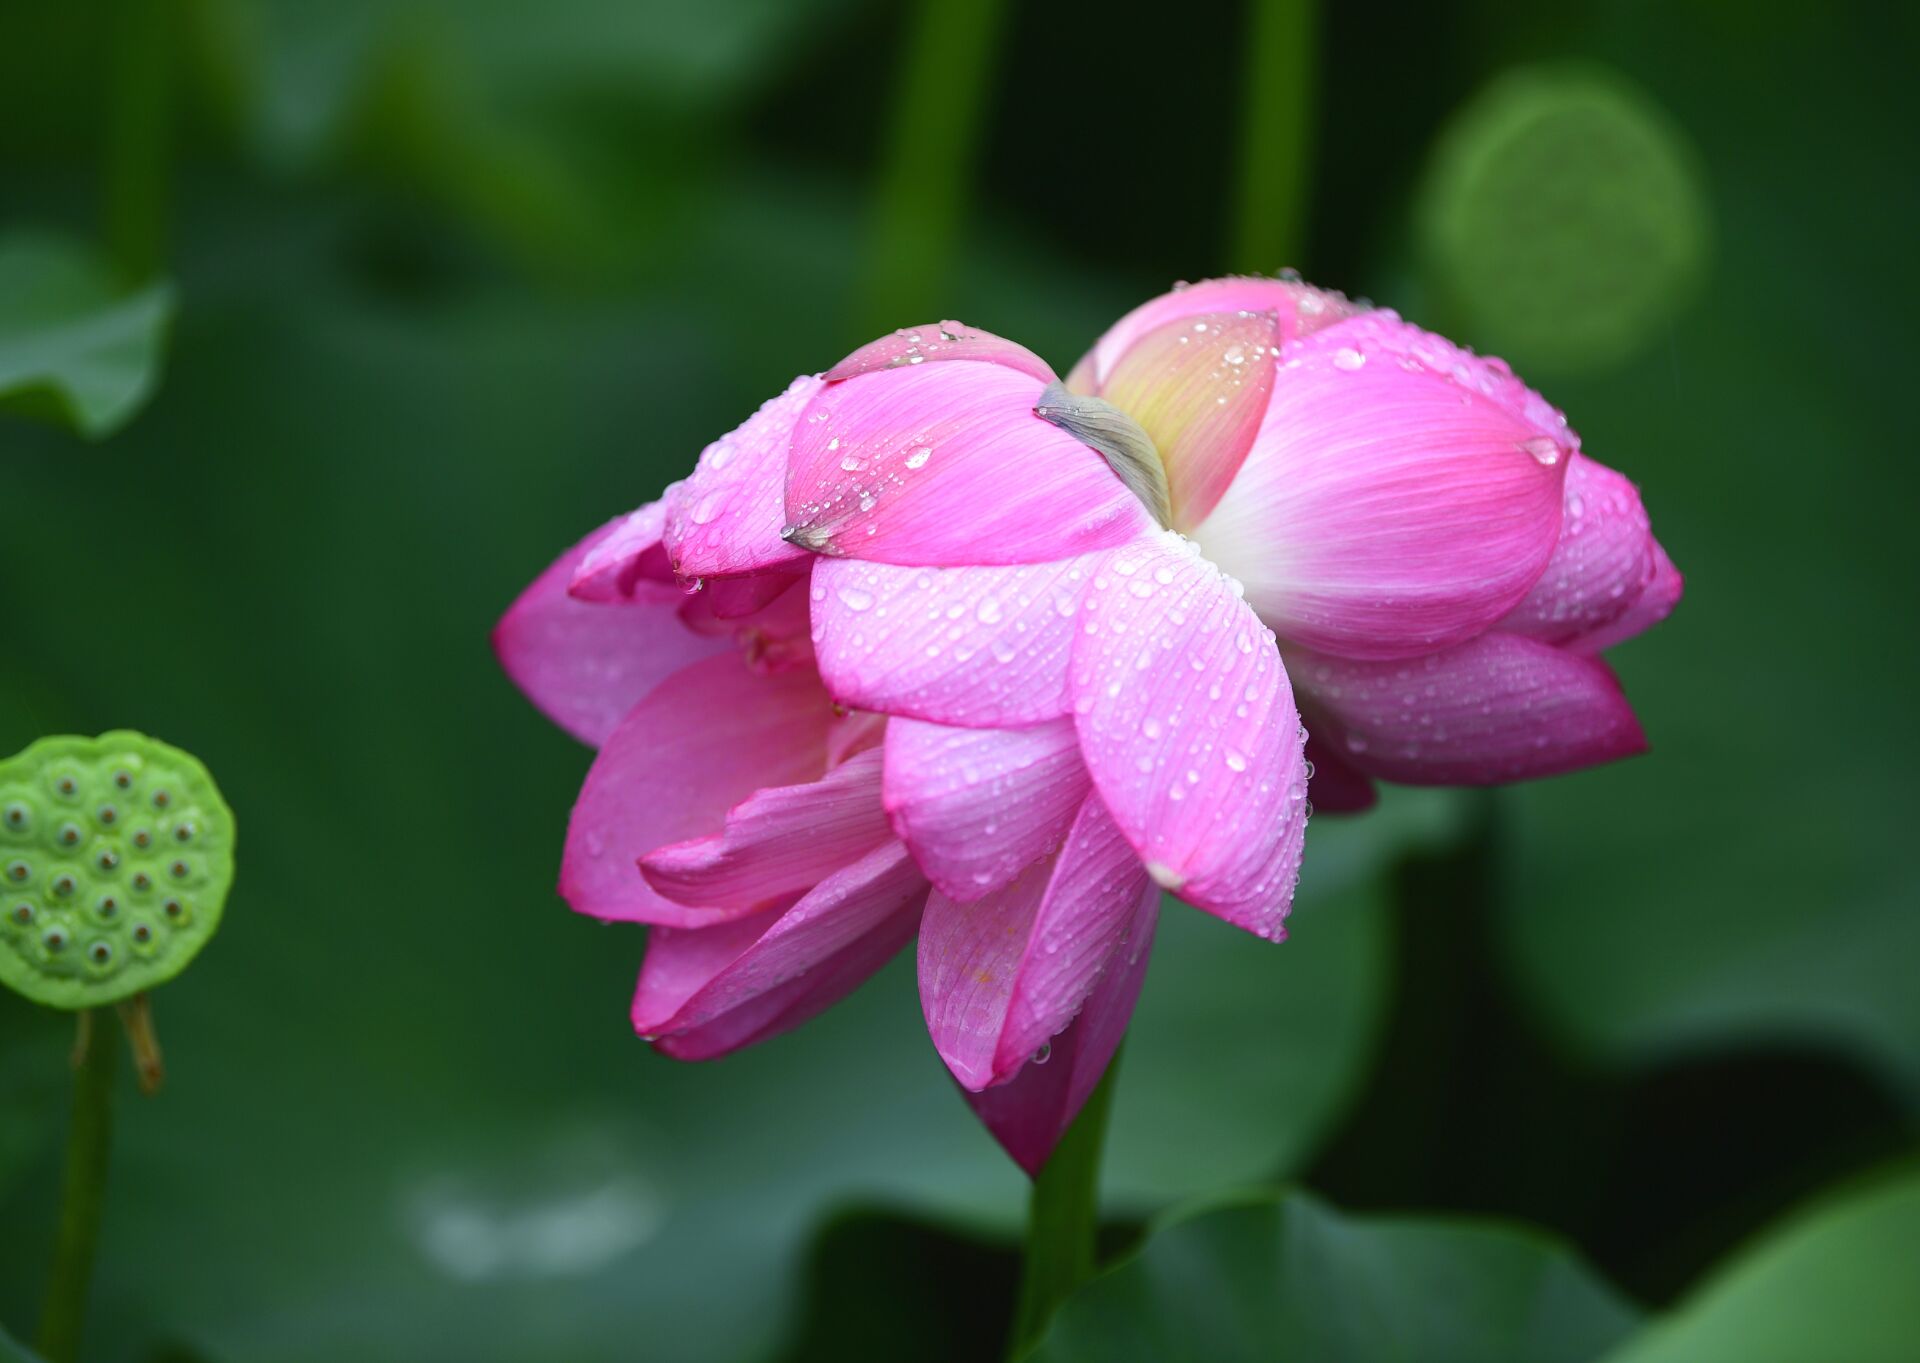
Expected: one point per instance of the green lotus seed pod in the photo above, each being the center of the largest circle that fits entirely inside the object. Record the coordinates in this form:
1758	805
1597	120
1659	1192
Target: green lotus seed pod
116	854
1563	217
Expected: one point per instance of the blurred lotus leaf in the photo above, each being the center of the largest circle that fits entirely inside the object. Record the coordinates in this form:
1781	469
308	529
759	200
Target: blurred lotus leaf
1834	1282
1276	1275
75	347
1562	217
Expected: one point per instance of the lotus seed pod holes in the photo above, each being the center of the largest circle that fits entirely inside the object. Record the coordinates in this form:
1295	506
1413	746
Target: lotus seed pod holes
116	854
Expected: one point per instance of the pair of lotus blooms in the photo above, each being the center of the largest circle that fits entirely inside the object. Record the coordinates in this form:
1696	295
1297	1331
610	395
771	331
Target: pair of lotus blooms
935	644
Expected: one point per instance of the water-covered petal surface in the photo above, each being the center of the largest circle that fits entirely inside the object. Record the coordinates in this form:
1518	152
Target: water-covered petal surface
978	806
948	464
976	647
1188	727
726	516
1498	708
1001	976
1403	495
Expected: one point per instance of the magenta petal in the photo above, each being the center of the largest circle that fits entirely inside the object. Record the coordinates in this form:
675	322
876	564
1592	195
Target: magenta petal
947	464
777	842
627	556
939	341
708	991
1600	565
1001	977
734	598
1029	1113
975	647
1654	604
1403	495
1188	727
726	517
1497	708
1297	309
1336	787
978	806
585	665
697	745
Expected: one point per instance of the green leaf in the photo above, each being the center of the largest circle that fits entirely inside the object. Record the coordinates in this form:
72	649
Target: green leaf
74	347
1835	1282
1283	1276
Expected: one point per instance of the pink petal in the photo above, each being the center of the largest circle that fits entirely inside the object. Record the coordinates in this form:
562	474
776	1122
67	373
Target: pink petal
734	598
1335	786
939	341
777	842
707	991
1199	387
1297	309
975	647
775	636
1403	494
854	732
726	517
1654	604
1188	727
1001	977
630	554
1029	1113
978	806
947	464
584	665
1602	562
1497	708
697	745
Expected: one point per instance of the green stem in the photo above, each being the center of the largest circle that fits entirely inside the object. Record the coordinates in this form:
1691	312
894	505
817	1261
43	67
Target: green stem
1063	1216
934	130
139	133
1276	140
88	1137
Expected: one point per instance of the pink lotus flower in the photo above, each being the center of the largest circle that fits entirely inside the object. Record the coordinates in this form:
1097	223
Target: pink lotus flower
994	657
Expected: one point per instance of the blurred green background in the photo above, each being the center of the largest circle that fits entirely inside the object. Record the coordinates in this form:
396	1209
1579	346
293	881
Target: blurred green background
370	307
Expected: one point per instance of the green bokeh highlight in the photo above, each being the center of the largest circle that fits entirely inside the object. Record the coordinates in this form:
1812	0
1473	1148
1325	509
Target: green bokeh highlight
1563	217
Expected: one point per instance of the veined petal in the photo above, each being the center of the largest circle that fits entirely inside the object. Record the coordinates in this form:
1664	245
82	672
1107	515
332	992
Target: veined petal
978	806
1188	727
726	517
1199	387
777	842
697	745
1029	1113
706	991
1654	604
975	647
947	464
1000	977
630	554
935	342
1601	564
1496	708
585	665
1297	309
1403	494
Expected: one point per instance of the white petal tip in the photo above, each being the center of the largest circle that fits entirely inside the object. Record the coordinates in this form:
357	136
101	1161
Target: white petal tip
1165	876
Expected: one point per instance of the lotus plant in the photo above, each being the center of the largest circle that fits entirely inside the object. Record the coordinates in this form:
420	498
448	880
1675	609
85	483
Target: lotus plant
937	643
